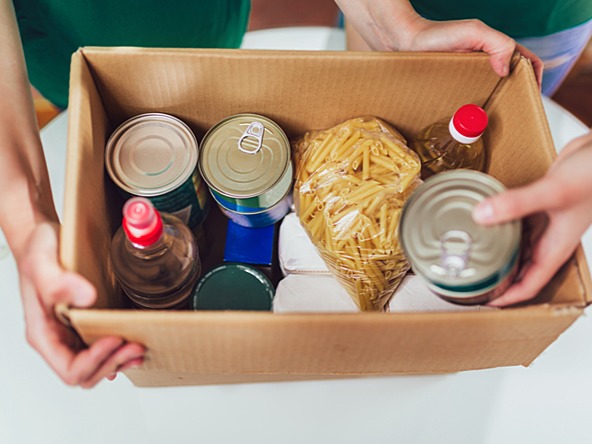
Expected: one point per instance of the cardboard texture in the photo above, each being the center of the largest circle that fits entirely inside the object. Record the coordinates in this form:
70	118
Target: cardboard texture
301	91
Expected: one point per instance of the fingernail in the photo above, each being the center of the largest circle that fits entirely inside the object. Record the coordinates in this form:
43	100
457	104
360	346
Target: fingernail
483	212
505	70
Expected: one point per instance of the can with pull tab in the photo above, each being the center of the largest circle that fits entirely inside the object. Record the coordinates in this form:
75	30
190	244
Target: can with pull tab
245	160
460	261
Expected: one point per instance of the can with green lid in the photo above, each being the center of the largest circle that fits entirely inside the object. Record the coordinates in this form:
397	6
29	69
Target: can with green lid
155	156
233	286
461	261
245	160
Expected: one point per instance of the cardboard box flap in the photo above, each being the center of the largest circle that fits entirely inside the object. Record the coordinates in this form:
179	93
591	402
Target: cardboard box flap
567	288
521	136
214	342
83	231
301	90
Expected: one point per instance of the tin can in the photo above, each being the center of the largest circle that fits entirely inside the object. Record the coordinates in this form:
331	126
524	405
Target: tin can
459	260
233	286
155	156
245	160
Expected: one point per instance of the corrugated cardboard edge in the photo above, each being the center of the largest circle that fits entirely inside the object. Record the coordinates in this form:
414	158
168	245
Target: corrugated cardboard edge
271	53
516	57
67	246
78	141
157	378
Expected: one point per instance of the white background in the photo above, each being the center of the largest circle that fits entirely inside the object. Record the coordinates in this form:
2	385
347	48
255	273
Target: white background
546	403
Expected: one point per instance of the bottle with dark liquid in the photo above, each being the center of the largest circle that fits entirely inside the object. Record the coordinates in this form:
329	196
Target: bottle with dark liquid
453	143
155	257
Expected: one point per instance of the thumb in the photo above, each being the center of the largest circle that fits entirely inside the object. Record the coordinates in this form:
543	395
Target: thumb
514	204
55	285
73	290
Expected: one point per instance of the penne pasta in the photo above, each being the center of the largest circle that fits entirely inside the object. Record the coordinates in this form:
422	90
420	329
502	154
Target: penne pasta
366	164
351	183
341	151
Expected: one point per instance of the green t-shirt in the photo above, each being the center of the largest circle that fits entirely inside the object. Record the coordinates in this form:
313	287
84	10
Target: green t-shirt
51	30
516	18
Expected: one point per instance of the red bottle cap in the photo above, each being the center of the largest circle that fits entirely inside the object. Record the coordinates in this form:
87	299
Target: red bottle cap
470	120
141	222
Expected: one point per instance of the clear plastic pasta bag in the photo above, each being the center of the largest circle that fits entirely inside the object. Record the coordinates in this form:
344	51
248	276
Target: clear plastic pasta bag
351	183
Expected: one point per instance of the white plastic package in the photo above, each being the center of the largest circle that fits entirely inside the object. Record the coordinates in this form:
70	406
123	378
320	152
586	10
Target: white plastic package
309	287
297	254
309	293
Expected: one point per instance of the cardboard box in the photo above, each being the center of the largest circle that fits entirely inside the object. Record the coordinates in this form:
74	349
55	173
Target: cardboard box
300	91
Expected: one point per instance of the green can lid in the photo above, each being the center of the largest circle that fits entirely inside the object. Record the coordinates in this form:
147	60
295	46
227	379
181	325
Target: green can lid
233	287
244	156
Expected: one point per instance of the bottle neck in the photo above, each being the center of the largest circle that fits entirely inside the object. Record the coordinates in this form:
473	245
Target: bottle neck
143	236
459	137
156	245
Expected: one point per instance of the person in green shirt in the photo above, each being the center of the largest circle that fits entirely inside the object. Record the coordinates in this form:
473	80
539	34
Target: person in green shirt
47	32
51	30
549	32
516	18
555	30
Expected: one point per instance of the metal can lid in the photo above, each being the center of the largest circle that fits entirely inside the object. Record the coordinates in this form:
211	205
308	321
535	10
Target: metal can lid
233	287
444	244
151	154
244	155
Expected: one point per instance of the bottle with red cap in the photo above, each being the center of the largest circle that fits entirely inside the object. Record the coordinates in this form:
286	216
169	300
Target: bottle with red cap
453	143
155	257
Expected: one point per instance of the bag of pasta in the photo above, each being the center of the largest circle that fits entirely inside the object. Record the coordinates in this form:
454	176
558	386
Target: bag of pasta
351	183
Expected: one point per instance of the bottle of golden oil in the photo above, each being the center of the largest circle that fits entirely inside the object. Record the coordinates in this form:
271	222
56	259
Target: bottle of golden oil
453	143
155	257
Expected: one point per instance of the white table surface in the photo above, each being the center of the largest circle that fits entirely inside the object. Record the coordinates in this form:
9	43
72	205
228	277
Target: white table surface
546	403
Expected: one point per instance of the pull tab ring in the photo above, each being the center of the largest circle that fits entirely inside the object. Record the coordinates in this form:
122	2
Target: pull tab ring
454	262
254	130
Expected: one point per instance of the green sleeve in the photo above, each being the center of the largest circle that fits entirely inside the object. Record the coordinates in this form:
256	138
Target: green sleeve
51	30
516	18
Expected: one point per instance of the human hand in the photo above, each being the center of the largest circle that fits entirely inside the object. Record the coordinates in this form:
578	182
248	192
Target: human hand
393	25
563	194
44	283
467	36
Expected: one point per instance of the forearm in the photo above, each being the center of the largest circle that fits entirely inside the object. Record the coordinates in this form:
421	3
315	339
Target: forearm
24	182
371	17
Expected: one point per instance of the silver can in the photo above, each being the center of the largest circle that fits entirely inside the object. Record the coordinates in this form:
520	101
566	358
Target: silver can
155	156
460	261
245	160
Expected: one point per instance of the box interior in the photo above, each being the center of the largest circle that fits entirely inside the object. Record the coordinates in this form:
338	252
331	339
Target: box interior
302	91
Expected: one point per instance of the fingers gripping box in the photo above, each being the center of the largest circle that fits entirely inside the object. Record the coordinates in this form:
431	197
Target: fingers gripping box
301	91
